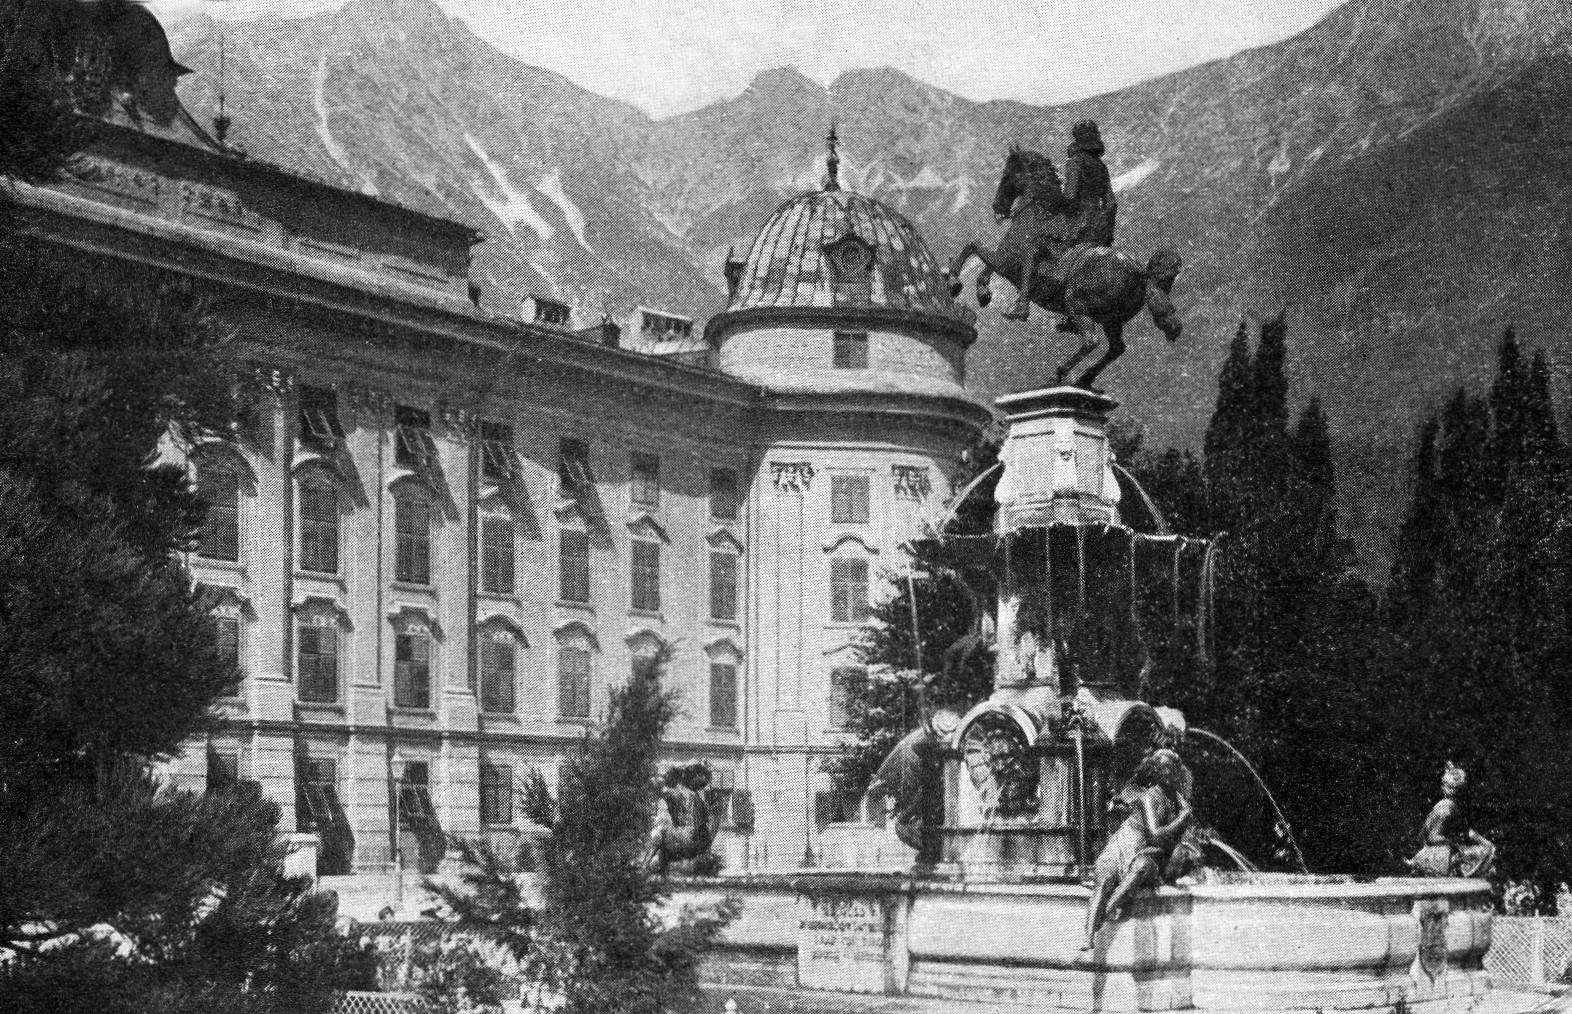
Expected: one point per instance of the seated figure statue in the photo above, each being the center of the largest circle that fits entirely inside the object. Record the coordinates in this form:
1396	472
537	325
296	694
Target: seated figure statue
682	819
1452	848
1139	850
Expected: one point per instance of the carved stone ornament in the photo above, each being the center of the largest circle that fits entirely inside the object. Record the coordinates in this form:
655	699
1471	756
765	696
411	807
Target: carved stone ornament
911	481
850	257
367	403
791	476
458	424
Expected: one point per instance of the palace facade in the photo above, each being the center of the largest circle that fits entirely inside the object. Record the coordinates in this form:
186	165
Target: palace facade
442	535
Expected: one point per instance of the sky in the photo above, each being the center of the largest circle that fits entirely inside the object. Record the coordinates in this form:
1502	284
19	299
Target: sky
673	56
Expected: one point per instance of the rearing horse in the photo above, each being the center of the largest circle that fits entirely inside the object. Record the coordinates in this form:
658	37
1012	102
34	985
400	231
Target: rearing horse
1084	283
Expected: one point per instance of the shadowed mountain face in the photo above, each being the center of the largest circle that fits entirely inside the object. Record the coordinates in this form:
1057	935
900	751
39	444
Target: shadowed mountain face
1394	176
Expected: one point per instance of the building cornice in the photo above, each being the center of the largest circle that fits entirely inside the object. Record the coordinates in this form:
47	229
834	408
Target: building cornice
842	317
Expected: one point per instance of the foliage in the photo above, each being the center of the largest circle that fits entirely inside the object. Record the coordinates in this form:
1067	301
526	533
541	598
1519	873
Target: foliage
116	895
596	942
138	898
954	667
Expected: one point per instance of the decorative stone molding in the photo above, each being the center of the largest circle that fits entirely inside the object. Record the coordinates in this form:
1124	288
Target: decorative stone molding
458	424
219	206
911	482
791	476
119	180
369	404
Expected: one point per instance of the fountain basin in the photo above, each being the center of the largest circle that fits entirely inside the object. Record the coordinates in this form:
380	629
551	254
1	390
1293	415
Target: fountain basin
1275	942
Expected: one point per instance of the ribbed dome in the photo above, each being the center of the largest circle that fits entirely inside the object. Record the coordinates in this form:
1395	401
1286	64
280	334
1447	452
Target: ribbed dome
814	251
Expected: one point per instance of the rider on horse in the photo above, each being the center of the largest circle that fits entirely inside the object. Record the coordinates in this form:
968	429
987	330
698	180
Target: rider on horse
1088	192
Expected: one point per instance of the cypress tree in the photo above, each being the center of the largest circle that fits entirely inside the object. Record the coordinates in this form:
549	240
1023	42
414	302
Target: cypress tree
1415	561
1226	435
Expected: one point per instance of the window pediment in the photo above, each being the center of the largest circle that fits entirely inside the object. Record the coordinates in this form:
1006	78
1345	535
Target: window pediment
723	647
414	618
646	527
839	543
723	539
645	639
214	452
494	623
576	630
322	610
226	600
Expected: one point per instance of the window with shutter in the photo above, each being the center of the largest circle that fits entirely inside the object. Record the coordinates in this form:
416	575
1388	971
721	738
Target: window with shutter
645	486
573	566
848	590
646	576
319	527
497	554
219	486
412	528
319	426
496	794
723	695
317	663
227	633
413	446
573	682
412	671
844	684
498	463
724	497
498	657
849	499
723	586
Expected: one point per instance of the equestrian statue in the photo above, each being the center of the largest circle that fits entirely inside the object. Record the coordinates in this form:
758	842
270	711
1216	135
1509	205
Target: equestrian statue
1058	252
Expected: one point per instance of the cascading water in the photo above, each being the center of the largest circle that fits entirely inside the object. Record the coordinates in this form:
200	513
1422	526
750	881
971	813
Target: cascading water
1282	821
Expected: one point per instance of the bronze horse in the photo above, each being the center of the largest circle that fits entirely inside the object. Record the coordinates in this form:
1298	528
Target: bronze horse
1086	284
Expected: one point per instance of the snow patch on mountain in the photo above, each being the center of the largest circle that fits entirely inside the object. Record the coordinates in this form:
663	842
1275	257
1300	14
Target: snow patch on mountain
335	150
514	208
1130	178
551	185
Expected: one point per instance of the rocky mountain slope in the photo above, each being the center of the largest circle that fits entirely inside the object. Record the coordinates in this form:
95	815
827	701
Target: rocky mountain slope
1395	177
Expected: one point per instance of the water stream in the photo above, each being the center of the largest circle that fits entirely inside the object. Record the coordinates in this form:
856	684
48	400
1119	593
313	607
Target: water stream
1282	821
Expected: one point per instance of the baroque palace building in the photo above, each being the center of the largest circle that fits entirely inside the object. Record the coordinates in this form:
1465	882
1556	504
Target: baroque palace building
443	535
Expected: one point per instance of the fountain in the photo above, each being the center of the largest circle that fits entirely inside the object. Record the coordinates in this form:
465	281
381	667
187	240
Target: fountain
995	906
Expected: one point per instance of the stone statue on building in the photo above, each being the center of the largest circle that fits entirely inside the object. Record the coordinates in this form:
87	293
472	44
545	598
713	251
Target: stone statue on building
1451	847
683	830
1138	853
1058	252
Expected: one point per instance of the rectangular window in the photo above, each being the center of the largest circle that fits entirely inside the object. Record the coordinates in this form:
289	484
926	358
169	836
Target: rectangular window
317	663
646	576
223	771
849	499
497	555
497	463
319	528
412	671
645	489
412	437
845	683
723	586
319	425
414	797
723	494
723	695
573	682
220	535
851	350
412	526
574	566
848	591
227	631
573	467
316	794
496	794
498	658
828	808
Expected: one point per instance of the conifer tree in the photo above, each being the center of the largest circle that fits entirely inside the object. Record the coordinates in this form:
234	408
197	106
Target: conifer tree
1226	435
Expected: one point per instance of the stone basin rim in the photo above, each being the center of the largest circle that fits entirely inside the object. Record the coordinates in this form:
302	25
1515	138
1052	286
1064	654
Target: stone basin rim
880	882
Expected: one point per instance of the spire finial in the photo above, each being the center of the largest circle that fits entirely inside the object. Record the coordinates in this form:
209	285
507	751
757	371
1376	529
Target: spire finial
222	121
832	162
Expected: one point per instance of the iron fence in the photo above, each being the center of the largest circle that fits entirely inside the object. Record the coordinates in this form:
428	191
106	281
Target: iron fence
1530	950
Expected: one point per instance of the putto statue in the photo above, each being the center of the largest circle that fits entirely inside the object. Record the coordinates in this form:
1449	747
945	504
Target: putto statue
1140	851
1452	848
682	819
1058	252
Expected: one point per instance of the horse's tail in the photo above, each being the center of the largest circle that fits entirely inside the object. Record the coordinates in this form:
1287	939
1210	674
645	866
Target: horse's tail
1161	270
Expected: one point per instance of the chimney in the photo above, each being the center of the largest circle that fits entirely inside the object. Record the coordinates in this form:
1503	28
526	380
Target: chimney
733	271
610	333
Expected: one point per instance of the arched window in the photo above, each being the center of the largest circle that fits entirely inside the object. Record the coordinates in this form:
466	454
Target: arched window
499	652
218	483
575	644
412	528
319	509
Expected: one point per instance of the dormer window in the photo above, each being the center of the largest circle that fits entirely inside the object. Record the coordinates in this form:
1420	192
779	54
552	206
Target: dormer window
851	260
851	350
664	326
573	467
548	311
412	437
319	426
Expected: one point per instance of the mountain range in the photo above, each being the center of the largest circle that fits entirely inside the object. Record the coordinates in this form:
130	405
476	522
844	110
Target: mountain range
1395	178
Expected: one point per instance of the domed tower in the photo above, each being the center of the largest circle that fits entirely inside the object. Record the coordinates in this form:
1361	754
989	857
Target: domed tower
841	315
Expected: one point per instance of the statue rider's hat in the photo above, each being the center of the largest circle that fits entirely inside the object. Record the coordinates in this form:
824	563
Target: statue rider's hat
1086	137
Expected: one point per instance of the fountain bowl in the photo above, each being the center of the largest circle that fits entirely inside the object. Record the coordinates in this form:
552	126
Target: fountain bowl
1238	942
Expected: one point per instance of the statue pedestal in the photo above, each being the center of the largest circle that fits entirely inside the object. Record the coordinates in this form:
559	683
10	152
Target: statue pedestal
1056	465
